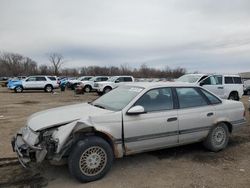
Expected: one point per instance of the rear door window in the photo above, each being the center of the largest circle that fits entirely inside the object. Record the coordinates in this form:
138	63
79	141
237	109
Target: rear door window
127	79
213	99
40	78
190	97
229	80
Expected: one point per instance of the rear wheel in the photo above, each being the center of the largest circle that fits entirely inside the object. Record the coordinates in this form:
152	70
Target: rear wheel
90	159
87	89
48	88
19	89
233	96
217	138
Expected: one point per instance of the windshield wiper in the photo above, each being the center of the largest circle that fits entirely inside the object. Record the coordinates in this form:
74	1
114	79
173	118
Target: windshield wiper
99	106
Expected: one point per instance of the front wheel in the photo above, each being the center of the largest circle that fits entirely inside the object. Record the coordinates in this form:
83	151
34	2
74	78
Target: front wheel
217	138
90	159
18	89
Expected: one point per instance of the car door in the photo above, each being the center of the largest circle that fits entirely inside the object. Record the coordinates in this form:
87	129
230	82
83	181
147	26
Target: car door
214	84
157	128
195	115
29	82
40	82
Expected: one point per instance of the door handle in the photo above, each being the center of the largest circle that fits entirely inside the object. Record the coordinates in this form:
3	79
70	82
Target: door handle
210	114
172	119
220	87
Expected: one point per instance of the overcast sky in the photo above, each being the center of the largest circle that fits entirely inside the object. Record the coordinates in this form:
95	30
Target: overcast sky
205	36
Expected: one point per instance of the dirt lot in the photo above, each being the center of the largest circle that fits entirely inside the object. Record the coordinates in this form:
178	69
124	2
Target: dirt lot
187	166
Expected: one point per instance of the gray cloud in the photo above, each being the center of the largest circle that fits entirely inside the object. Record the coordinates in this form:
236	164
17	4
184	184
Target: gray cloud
199	35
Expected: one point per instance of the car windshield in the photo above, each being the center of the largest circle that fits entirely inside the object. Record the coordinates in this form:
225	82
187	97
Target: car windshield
189	78
118	98
112	79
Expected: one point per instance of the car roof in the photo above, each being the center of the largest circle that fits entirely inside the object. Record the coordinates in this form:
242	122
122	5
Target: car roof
148	85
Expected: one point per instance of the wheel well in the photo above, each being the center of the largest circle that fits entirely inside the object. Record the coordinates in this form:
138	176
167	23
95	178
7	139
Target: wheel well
229	125
234	92
92	132
48	85
19	86
107	87
87	86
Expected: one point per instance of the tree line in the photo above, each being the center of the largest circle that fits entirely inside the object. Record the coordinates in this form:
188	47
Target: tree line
13	64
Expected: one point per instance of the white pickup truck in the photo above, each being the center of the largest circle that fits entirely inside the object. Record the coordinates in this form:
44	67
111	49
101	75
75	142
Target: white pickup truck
224	86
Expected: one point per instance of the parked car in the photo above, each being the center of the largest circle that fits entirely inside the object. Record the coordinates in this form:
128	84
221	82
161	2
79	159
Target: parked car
246	87
111	83
46	83
4	81
132	118
224	86
72	83
88	85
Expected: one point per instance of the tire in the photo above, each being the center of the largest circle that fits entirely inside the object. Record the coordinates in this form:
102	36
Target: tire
100	159
107	89
217	138
18	89
87	89
48	88
233	96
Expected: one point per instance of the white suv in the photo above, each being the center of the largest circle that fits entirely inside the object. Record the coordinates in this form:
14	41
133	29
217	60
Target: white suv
224	86
111	83
88	85
46	83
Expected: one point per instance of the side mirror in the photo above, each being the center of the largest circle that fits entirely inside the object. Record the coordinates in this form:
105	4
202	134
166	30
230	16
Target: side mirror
136	110
202	83
117	81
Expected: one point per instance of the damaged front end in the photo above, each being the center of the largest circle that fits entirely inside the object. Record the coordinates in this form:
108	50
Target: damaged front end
32	146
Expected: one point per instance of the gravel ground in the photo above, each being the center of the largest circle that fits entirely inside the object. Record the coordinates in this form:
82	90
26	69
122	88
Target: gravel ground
186	166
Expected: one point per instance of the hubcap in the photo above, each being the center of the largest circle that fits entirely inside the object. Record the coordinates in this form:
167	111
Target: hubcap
87	89
19	89
219	136
49	89
93	161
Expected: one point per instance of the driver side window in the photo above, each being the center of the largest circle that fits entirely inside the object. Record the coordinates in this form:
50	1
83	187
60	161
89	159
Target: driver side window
213	80
156	100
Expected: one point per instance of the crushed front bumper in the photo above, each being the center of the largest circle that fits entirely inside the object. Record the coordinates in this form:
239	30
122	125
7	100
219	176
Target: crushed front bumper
22	150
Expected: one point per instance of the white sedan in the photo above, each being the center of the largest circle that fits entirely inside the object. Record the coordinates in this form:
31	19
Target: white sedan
132	118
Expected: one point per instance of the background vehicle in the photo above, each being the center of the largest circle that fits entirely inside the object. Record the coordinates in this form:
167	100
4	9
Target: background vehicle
87	86
132	118
111	83
46	83
224	86
247	87
4	81
72	83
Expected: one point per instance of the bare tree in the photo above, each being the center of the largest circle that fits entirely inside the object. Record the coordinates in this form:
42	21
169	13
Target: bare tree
57	61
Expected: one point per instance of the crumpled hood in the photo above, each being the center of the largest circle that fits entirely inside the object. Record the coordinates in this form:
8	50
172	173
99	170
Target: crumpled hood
62	115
